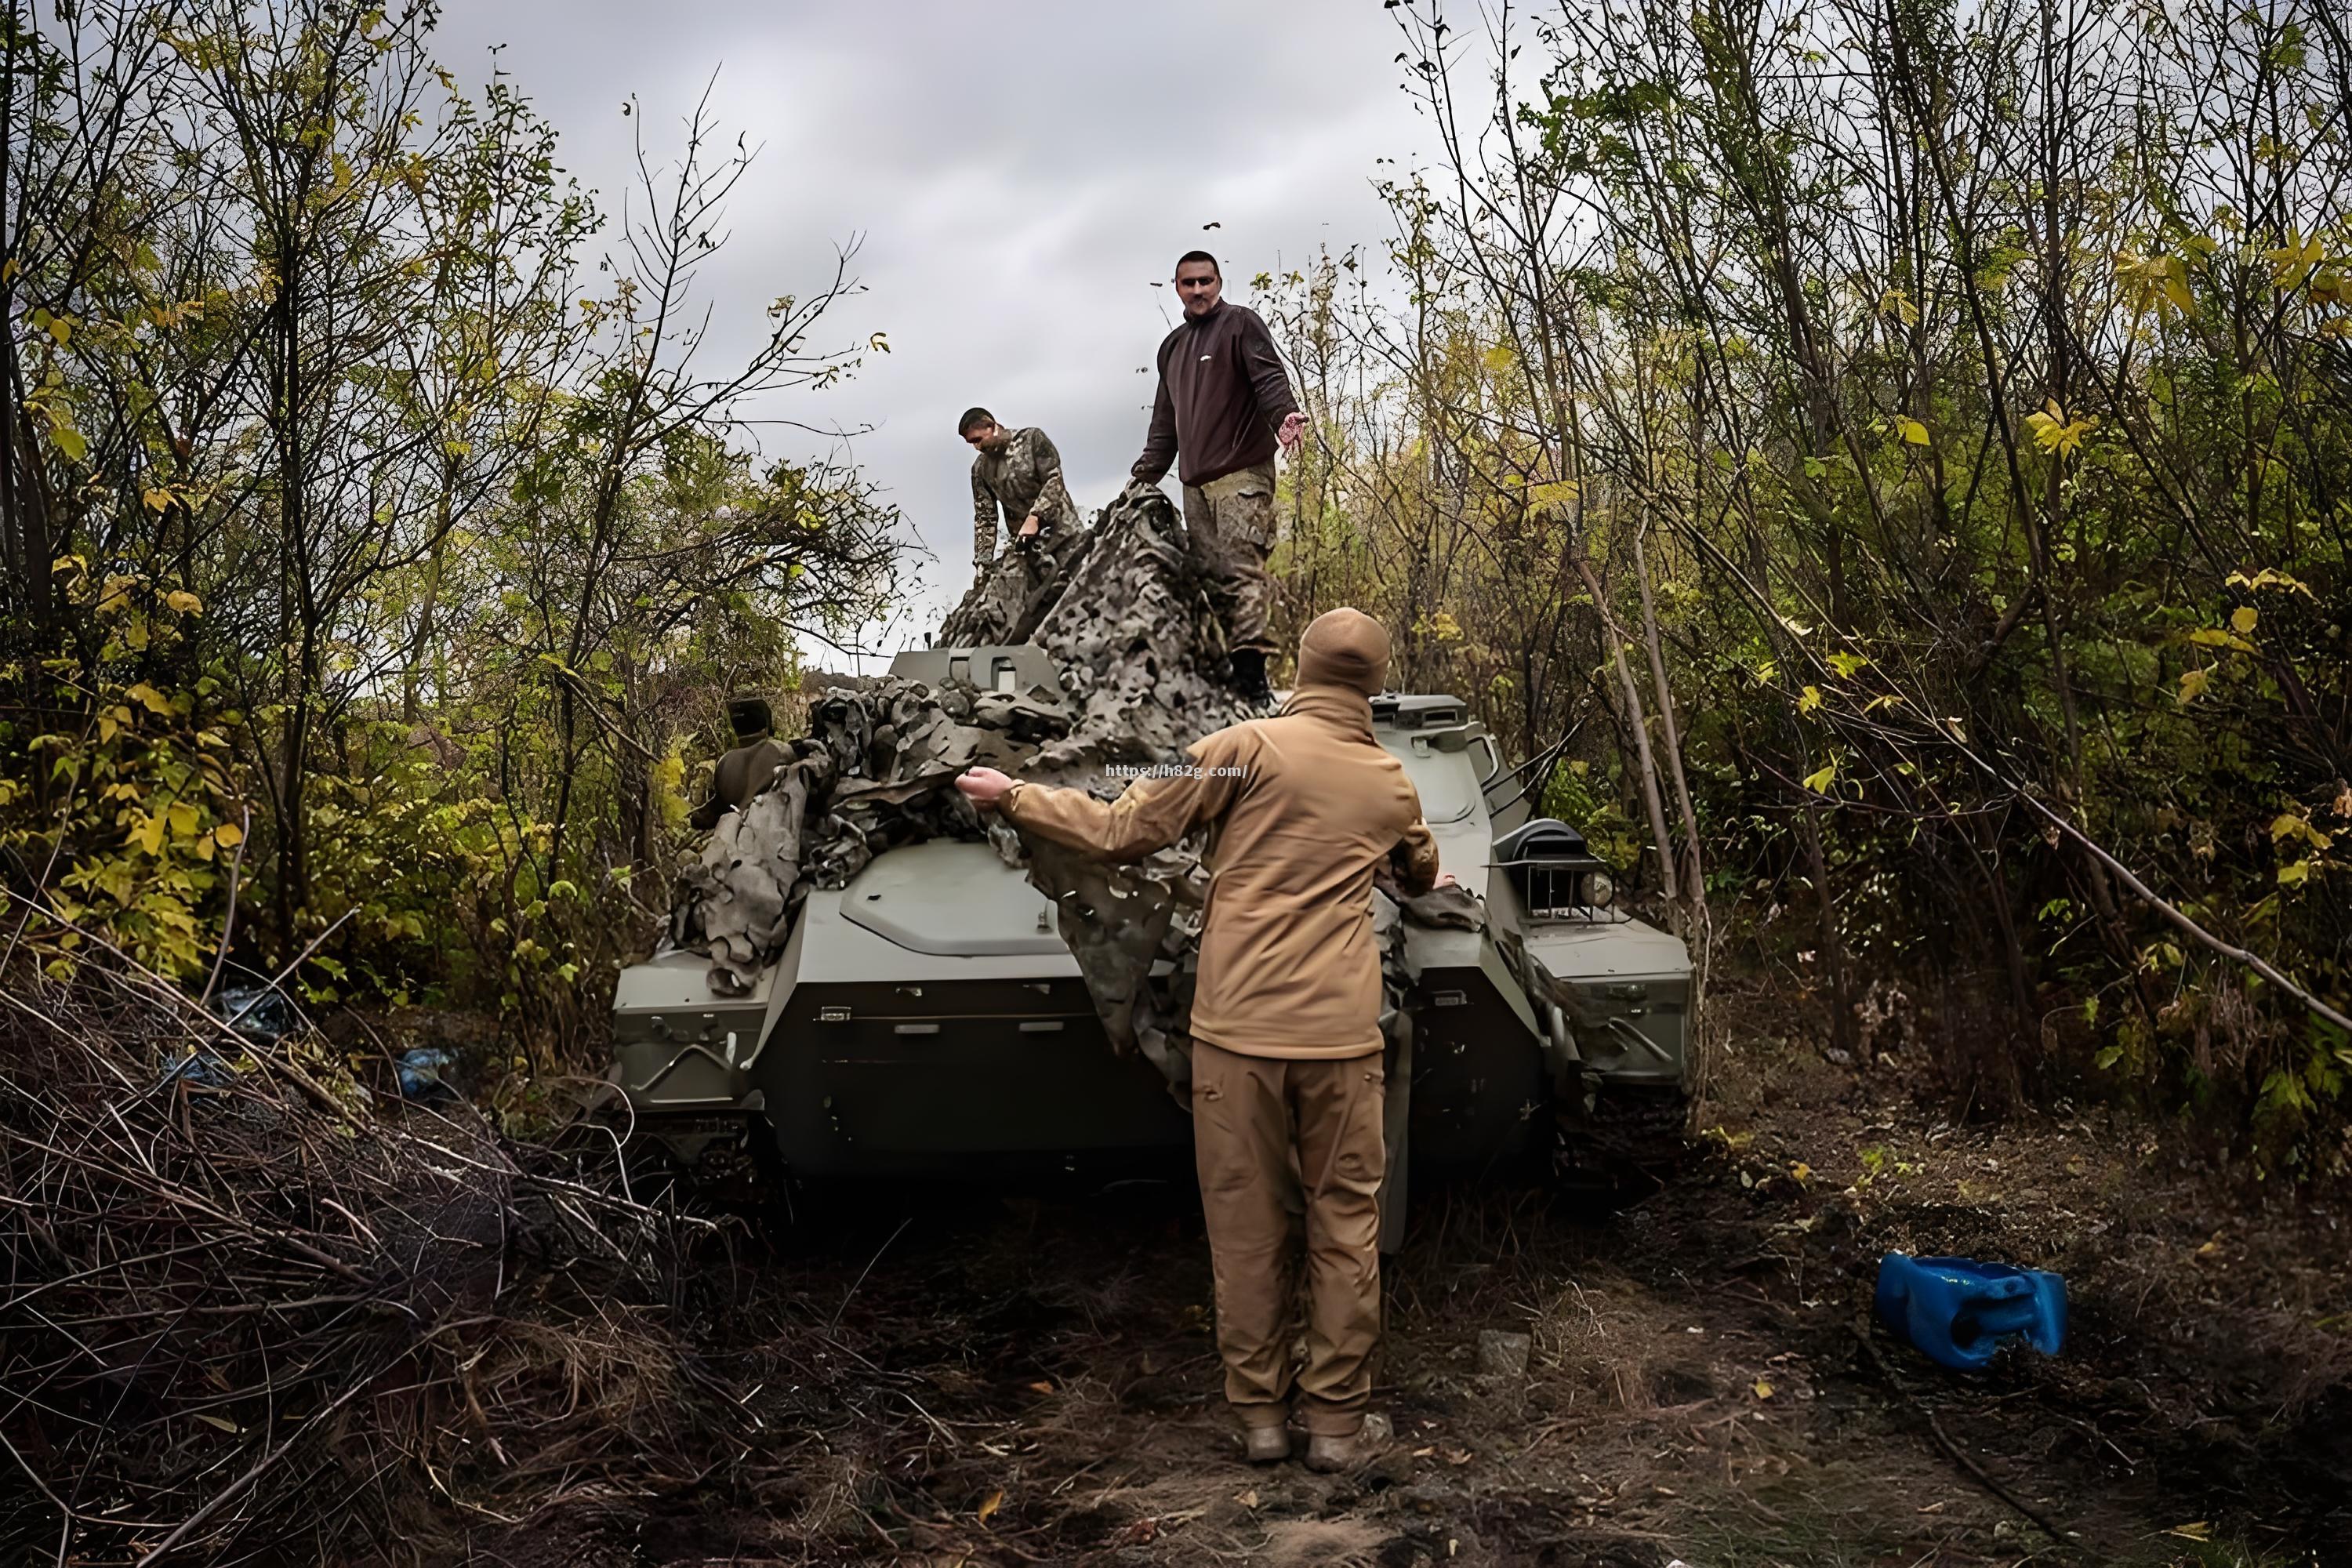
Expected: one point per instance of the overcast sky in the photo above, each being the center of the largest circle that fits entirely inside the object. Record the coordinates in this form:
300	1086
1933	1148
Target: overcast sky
1020	172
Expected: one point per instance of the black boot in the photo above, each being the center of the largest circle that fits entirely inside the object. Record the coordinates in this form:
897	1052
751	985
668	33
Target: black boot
1249	678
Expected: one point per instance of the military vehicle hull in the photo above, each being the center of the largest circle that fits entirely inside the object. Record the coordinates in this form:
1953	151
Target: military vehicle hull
928	1019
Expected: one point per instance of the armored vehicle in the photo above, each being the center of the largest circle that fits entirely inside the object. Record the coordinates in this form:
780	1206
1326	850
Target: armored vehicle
928	1019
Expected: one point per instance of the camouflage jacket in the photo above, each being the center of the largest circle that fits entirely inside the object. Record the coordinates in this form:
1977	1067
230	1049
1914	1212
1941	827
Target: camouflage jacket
1025	477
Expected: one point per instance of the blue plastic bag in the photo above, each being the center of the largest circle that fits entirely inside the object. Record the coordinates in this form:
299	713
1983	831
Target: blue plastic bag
1959	1311
420	1072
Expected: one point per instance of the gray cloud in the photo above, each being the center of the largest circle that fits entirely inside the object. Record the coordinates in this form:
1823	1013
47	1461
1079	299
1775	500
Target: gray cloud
1020	174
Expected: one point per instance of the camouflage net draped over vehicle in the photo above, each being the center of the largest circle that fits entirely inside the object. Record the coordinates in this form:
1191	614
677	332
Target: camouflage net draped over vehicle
1125	616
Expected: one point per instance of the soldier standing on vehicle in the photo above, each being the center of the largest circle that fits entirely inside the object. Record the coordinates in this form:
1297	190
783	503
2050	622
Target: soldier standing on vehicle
1224	403
1018	472
1302	809
744	771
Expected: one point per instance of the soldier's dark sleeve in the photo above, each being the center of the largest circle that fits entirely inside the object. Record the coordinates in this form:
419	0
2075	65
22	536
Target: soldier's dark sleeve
705	818
983	522
1053	504
1159	443
1262	364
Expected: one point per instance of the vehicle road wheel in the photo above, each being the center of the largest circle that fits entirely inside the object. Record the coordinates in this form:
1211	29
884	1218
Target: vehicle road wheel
1626	1145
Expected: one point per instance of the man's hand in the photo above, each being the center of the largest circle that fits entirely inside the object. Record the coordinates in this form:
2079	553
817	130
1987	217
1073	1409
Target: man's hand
1029	528
1294	426
984	786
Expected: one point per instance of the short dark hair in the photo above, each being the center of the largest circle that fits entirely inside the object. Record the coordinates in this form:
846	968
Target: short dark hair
972	416
1200	256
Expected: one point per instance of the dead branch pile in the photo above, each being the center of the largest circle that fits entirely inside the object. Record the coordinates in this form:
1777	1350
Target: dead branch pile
255	1310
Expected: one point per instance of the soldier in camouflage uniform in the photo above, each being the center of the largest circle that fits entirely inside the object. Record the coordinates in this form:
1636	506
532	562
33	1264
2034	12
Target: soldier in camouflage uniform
1019	473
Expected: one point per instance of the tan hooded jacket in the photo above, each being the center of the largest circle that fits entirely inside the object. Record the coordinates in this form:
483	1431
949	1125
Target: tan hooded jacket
1302	808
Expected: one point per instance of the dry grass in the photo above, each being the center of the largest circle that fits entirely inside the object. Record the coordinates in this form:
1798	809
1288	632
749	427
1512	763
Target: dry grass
251	1303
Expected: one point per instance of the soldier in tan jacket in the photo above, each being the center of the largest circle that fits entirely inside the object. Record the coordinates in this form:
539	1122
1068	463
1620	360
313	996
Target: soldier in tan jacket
1302	808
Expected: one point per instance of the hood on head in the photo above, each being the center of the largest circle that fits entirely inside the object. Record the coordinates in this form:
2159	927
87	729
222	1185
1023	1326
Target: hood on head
1344	648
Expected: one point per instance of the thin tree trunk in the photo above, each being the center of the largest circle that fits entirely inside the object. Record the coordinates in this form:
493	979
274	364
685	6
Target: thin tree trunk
1638	723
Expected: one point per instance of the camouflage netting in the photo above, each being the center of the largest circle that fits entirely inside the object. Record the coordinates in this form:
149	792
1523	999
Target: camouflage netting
1125	616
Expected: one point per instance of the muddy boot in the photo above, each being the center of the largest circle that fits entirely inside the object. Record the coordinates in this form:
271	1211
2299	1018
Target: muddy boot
1266	1445
1331	1453
1249	678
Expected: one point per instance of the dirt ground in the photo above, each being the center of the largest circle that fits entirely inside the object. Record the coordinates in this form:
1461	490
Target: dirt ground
963	1377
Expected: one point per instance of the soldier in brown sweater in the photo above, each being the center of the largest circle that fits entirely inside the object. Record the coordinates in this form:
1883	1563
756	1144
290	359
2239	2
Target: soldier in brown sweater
1223	404
1302	808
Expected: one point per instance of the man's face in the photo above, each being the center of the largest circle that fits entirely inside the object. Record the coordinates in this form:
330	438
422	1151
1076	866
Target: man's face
985	437
1198	285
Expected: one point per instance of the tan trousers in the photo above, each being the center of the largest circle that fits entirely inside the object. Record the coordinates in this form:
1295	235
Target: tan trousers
1273	1138
1230	525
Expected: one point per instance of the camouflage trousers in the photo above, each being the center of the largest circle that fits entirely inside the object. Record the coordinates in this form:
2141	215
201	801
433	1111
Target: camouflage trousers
1230	525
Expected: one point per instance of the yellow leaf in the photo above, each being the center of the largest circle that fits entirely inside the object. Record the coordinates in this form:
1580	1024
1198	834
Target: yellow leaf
187	604
2193	683
2243	619
60	329
157	501
228	835
880	343
2295	874
1913	431
155	700
2270	578
1801	1171
1819	782
2196	1530
1042	1387
995	1500
1763	1389
1809	699
183	818
223	1422
148	835
9	269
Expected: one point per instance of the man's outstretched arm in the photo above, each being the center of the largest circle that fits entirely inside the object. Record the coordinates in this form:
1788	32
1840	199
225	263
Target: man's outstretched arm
1262	363
1153	814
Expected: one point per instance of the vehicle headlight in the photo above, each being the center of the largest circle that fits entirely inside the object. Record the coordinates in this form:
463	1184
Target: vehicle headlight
1599	891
